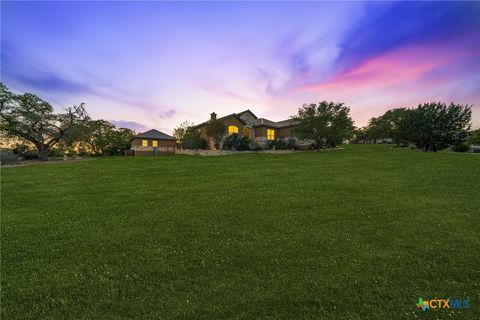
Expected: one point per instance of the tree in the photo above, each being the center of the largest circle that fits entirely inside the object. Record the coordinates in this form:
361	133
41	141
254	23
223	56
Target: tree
341	126
360	135
395	130
388	126
474	137
118	140
327	123
96	135
28	117
101	137
181	131
192	140
215	130
377	129
435	126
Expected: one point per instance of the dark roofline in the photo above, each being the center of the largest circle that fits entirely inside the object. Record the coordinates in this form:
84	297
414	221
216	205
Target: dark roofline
248	110
272	124
235	115
157	135
275	124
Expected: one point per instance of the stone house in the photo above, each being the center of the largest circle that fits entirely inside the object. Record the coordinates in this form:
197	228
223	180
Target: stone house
246	123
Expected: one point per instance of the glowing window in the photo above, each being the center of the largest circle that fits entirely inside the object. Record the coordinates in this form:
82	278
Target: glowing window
270	134
144	143
154	143
232	130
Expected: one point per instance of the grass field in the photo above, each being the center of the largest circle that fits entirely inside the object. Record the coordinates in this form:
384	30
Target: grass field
358	233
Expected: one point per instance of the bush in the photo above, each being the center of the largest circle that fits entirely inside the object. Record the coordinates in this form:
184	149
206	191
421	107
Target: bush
234	142
30	155
25	152
291	143
21	149
7	156
258	144
282	144
244	144
461	147
57	153
194	143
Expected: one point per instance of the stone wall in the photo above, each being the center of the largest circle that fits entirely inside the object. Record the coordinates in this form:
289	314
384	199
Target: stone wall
227	152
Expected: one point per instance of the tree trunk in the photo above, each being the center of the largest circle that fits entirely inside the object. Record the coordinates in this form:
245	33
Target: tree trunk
319	146
43	154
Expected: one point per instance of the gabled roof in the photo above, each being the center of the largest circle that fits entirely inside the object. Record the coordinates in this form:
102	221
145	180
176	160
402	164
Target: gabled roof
247	111
286	123
154	134
258	121
268	123
236	115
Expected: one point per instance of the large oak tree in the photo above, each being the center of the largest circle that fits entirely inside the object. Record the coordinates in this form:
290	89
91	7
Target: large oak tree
28	117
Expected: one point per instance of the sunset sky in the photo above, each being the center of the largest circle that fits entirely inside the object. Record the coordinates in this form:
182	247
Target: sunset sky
155	64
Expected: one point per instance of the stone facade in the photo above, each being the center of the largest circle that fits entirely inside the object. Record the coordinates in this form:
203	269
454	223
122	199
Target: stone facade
256	128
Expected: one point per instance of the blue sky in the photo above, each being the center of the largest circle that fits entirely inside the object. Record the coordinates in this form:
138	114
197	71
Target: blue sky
156	64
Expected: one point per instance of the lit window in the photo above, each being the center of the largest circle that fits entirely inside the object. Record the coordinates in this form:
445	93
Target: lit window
232	130
144	143
270	134
154	143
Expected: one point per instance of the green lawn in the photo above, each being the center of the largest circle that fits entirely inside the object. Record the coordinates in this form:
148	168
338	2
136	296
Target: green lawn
357	233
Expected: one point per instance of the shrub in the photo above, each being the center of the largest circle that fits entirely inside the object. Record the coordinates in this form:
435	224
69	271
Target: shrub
231	142
21	149
194	142
258	144
82	152
291	143
7	156
282	144
56	153
25	152
461	147
30	155
244	144
235	142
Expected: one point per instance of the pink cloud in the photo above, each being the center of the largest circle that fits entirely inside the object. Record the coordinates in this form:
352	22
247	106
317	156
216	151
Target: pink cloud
387	70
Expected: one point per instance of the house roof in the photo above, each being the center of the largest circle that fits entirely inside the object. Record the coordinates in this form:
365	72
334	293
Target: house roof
236	115
258	121
154	134
247	111
268	123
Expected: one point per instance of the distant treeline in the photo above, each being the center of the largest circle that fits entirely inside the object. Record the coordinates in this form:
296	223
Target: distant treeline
429	127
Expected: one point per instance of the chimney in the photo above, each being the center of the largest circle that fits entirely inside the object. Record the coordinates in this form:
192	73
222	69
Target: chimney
213	116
